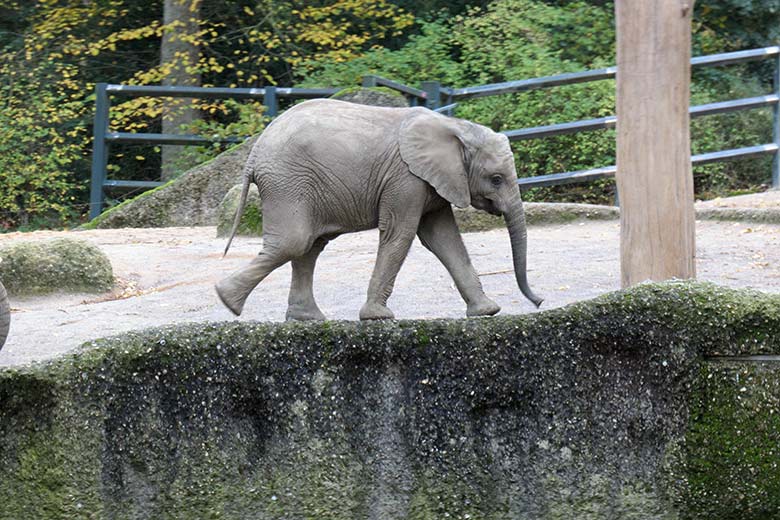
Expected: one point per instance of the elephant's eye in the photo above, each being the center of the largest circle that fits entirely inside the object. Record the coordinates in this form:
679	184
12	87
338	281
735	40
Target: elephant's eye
496	180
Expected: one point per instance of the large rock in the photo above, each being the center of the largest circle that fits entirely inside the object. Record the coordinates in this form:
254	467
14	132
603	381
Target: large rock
189	200
604	409
251	220
374	96
58	265
5	315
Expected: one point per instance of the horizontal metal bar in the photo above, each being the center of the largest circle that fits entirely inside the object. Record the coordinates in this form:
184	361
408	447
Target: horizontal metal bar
600	74
562	128
761	358
217	92
735	105
306	93
556	179
194	92
728	58
131	184
410	91
738	153
610	121
445	108
535	83
129	137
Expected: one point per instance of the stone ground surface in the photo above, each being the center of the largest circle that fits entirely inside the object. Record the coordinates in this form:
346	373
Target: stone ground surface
167	276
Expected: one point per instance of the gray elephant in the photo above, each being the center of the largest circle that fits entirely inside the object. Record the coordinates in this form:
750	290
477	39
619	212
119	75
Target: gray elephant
328	167
5	315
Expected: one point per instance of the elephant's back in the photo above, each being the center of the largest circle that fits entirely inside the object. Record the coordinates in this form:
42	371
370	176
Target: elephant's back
331	121
332	155
342	139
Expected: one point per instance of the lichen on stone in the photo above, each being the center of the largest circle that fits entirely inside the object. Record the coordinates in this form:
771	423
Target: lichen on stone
57	265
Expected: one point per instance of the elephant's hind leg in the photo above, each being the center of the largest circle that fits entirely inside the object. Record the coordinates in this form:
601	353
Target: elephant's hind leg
277	250
301	304
235	289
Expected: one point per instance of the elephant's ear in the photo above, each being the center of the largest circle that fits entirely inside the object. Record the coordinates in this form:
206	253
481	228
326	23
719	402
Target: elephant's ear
432	148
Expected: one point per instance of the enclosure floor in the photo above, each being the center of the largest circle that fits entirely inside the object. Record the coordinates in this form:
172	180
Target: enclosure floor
167	276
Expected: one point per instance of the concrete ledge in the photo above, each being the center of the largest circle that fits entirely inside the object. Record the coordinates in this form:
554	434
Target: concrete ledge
604	409
758	215
541	213
536	213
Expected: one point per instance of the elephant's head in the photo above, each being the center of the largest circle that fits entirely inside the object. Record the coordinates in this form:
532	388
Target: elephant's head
469	164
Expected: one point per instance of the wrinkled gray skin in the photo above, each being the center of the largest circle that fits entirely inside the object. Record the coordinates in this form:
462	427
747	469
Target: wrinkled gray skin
5	315
328	167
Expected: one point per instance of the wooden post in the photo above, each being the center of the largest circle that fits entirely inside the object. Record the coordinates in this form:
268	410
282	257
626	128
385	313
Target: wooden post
654	177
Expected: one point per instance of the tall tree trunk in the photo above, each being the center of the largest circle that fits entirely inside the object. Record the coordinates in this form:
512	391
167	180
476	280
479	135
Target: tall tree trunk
654	176
182	57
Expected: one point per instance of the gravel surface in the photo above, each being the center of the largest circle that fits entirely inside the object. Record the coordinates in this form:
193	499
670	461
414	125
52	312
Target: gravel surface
167	275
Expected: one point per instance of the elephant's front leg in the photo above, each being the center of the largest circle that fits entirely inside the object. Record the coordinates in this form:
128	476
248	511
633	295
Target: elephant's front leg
439	233
396	233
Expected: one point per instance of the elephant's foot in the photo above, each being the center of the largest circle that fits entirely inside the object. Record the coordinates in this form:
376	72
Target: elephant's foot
375	311
304	313
227	295
483	307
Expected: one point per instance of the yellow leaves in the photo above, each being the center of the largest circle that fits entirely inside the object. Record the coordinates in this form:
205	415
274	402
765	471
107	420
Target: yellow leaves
249	11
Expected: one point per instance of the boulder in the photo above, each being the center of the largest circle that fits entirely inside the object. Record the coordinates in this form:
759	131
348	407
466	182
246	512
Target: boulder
5	315
374	96
58	265
189	200
252	219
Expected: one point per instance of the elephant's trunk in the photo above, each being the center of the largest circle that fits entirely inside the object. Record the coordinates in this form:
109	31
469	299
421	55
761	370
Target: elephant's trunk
515	223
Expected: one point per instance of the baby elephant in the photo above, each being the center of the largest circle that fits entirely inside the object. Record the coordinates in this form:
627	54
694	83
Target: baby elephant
328	167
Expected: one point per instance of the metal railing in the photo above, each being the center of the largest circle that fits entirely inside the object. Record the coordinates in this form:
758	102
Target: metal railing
441	99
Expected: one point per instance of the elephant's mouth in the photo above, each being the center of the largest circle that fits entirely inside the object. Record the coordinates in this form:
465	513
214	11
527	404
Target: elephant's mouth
486	205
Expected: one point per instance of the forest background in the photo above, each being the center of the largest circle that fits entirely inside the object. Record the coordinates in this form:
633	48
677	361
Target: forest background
52	52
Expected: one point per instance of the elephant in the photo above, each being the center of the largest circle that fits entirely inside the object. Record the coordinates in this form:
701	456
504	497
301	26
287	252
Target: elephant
5	315
325	167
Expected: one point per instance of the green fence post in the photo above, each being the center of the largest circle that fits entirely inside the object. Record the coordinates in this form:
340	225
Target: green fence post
776	128
369	81
270	101
433	91
99	151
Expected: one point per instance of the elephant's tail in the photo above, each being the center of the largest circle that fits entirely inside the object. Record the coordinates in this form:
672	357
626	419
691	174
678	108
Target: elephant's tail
239	209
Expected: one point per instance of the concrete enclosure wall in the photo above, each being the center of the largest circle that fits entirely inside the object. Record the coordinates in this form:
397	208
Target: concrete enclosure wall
612	408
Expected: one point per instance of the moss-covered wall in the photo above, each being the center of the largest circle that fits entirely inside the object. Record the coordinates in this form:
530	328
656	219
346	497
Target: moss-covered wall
580	412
